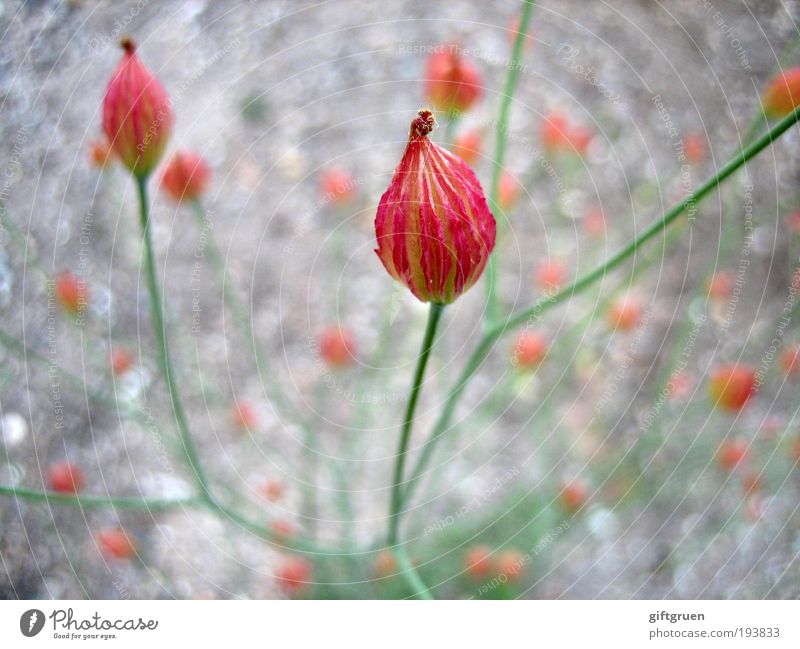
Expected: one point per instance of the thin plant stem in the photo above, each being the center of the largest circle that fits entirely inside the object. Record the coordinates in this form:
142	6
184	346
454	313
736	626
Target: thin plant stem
434	315
410	574
490	314
87	501
534	312
189	448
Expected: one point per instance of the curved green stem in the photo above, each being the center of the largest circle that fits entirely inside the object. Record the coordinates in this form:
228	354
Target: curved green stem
534	312
411	575
86	501
500	149
396	503
156	308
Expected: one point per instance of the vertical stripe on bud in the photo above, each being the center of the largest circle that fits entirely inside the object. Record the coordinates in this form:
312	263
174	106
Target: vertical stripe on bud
433	226
137	116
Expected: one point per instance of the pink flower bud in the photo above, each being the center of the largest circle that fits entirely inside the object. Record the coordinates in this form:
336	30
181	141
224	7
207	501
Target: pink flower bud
720	286
434	229
731	453
137	117
550	275
245	417
594	222
508	191
624	314
272	490
478	562
100	153
121	360
574	495
782	95
452	83
694	148
510	564
186	177
558	134
65	478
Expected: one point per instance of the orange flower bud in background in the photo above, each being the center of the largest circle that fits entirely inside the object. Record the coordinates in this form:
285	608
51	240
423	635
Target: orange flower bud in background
720	286
71	293
272	490
694	148
550	275
337	186
244	416
116	543
782	95
385	564
121	360
337	347
137	116
732	385
557	134
186	177
594	222
731	453
283	529
65	478
452	83
529	349
294	574
434	229
477	561
508	191
624	314
467	146
790	360
100	153
793	221
574	495
510	564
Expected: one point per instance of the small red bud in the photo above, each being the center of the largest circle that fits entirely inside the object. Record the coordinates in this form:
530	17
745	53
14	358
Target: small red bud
529	349
121	360
782	95
245	416
625	314
452	83
508	192
557	134
467	146
186	177
550	275
66	478
732	385
731	453
574	495
137	116
434	229
72	293
694	148
338	186
510	564
294	574
720	286
100	153
594	222
337	347
116	543
273	490
790	360
478	562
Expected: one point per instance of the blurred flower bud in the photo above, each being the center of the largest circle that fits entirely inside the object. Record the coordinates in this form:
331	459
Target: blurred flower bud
116	543
337	347
186	177
467	146
452	83
732	385
65	478
71	293
782	95
529	349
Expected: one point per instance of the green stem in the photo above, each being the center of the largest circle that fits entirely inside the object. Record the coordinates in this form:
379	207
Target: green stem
411	575
396	503
189	448
500	150
85	501
542	305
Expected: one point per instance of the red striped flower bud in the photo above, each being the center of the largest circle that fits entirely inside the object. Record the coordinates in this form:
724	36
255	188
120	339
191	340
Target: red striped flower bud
186	177
65	478
452	83
782	95
137	117
732	386
434	229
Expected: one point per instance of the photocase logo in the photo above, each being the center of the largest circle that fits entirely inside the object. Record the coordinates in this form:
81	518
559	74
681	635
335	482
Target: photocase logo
31	622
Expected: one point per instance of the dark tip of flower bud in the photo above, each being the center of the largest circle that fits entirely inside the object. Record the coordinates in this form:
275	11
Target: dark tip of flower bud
422	124
127	44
